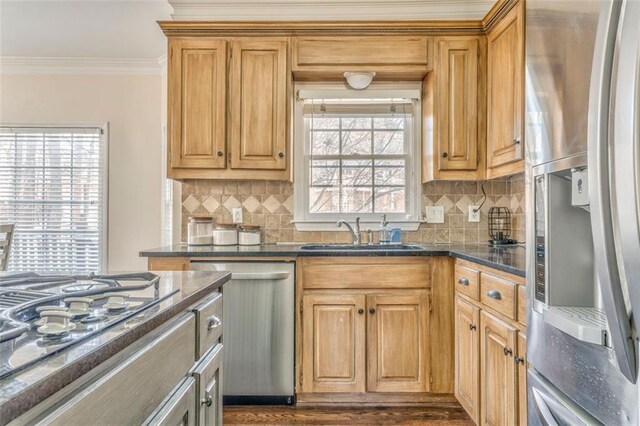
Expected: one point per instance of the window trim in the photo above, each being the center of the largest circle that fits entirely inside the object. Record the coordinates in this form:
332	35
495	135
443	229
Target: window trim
104	127
301	219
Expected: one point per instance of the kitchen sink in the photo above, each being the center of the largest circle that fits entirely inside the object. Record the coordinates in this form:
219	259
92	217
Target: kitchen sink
359	247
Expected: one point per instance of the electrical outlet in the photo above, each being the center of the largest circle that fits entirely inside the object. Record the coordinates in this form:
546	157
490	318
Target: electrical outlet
435	214
237	214
474	216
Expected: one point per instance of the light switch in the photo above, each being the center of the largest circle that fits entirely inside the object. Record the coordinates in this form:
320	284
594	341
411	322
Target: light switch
435	214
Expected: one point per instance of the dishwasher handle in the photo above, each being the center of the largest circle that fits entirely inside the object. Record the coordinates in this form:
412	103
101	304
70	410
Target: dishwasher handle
259	275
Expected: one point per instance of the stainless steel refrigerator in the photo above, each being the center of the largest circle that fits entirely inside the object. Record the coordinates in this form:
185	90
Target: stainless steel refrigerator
582	120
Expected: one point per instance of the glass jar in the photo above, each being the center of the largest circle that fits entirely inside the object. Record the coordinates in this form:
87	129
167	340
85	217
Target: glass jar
225	234
249	235
200	231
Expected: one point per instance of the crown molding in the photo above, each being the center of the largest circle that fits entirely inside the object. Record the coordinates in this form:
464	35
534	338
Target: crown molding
62	65
223	10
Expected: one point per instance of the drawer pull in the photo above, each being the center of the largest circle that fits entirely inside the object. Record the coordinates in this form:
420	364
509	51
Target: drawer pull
494	294
507	351
463	281
214	322
207	400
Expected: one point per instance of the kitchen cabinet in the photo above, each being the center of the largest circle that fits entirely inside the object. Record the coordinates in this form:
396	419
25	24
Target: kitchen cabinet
467	338
390	56
453	111
505	99
197	82
228	108
497	371
521	362
208	374
397	336
258	104
334	342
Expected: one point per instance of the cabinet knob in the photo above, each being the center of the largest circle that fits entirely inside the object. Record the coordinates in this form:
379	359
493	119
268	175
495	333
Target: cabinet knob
463	281
372	311
507	351
220	154
517	359
445	155
472	327
361	311
516	141
214	322
207	400
281	154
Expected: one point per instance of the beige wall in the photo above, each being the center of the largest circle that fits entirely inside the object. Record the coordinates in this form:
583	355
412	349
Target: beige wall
131	104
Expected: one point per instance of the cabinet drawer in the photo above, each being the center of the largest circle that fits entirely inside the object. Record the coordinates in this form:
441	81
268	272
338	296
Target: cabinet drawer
209	388
467	281
208	323
522	304
499	294
365	273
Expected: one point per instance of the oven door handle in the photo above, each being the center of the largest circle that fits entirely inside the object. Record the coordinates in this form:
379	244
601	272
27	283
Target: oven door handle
259	275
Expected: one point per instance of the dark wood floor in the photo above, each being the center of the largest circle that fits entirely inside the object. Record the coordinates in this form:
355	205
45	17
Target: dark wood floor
451	414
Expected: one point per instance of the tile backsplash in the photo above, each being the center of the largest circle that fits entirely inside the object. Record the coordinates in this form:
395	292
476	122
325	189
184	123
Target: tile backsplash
269	204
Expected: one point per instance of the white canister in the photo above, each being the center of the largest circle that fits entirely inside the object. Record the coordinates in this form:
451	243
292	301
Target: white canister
199	231
249	235
225	234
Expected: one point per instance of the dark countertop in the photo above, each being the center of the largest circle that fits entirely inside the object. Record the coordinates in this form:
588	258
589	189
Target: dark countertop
26	388
509	259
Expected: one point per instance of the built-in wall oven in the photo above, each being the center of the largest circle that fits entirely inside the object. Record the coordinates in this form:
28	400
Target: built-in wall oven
259	312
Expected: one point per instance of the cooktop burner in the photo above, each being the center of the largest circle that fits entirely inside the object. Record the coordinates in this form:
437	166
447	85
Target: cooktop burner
40	315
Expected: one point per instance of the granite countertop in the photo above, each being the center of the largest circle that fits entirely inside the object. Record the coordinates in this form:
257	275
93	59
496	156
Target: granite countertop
24	389
509	259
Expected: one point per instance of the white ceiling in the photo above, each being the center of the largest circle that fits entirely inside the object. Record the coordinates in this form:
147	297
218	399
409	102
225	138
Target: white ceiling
127	29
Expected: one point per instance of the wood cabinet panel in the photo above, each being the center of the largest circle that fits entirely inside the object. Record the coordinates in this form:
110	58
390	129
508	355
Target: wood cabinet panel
522	379
498	294
397	336
467	281
258	104
168	263
333	343
467	354
505	100
522	304
458	104
497	371
197	82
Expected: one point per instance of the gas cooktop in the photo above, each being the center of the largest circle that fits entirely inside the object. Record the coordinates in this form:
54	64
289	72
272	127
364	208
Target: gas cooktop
40	315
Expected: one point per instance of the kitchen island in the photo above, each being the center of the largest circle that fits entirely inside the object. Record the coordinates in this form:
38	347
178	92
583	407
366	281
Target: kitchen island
63	378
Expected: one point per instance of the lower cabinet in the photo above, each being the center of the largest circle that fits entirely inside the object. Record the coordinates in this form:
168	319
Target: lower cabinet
355	342
467	347
208	375
521	361
179	408
497	371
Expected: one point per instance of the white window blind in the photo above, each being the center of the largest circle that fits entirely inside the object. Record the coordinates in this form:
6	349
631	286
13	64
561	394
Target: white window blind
53	188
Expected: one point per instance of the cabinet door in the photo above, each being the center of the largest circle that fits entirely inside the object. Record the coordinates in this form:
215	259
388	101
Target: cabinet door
521	362
258	104
197	82
497	372
179	409
397	337
457	86
467	357
333	344
505	88
208	375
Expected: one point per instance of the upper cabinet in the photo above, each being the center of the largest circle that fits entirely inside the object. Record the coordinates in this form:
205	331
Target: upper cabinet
453	111
389	56
505	100
197	93
228	108
258	104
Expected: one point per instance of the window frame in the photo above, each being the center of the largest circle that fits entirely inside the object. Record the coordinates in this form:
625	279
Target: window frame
105	135
306	221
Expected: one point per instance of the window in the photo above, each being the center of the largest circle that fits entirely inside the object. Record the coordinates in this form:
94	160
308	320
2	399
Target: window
359	156
53	188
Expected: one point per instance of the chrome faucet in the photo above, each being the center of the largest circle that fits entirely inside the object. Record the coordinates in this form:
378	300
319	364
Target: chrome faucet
355	233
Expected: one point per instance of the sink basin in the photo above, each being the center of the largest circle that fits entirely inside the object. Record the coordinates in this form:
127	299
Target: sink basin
360	247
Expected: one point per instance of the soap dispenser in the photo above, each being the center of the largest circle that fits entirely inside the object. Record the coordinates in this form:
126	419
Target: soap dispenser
385	231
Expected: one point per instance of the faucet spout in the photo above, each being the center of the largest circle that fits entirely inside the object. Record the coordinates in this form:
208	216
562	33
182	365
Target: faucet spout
355	232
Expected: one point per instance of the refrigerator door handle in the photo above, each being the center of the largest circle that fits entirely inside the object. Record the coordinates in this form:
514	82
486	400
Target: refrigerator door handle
543	409
625	141
606	263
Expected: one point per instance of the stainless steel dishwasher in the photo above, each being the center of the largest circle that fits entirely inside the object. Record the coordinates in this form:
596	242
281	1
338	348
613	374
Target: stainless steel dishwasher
258	331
